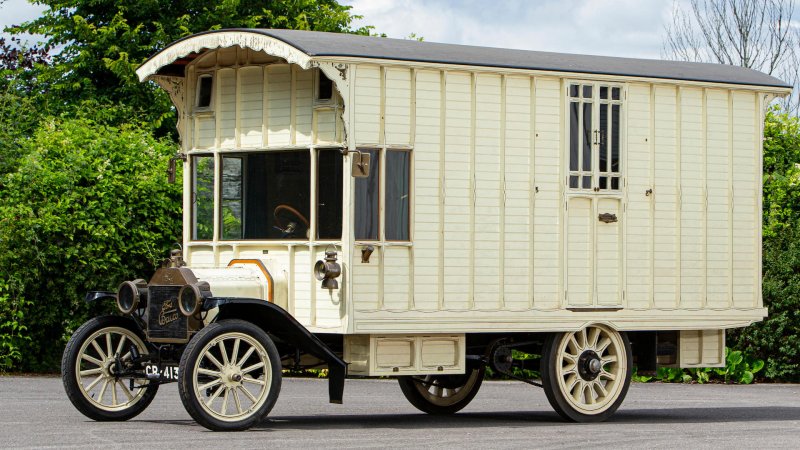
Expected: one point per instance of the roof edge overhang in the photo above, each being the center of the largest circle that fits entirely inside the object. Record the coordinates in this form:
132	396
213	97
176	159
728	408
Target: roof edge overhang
210	40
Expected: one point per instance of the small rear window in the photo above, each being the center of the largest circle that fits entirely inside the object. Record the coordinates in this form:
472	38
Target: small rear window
325	87
204	88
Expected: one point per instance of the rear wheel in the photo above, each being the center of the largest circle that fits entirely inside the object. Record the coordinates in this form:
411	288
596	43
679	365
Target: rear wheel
230	376
442	394
586	374
93	370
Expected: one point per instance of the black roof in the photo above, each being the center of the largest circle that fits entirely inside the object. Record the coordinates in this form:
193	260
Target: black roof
315	43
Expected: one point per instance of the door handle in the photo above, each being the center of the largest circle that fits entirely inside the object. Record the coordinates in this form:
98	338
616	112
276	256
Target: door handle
607	218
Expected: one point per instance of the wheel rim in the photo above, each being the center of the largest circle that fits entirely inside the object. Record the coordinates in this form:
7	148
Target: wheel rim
232	377
95	369
591	366
446	390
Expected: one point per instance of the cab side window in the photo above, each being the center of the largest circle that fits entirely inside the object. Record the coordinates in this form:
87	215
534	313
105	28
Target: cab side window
388	184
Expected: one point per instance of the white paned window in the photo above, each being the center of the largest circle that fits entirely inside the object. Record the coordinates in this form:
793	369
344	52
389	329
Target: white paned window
594	136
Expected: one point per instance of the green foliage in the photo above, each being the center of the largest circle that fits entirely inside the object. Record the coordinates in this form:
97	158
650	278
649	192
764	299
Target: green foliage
12	328
88	206
636	377
516	370
102	42
776	339
672	375
739	368
781	172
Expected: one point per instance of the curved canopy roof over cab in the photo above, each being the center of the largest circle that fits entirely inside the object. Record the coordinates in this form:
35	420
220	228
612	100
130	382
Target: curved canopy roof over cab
301	47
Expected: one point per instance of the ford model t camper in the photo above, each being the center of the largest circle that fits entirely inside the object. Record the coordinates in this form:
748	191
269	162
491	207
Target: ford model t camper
381	207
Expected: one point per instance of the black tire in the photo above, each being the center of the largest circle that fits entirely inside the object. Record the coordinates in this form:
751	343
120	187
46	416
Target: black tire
205	372
425	391
78	370
576	394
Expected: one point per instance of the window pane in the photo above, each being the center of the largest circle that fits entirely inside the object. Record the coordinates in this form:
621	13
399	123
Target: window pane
615	183
587	91
266	195
603	184
587	136
329	194
397	198
232	197
603	141
325	87
615	138
203	197
587	182
573	90
573	181
573	136
366	201
615	92
284	183
604	92
204	92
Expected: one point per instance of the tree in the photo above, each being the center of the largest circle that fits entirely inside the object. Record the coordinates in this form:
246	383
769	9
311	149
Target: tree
750	33
21	106
88	206
102	42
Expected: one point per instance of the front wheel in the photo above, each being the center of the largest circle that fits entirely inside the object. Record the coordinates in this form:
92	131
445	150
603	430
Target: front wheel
230	376
93	370
586	374
442	394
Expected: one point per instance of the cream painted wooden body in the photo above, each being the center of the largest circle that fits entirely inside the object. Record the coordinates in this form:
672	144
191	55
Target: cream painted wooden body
499	243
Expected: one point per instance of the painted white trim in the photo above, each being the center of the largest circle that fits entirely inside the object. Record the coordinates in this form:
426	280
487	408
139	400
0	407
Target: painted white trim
211	41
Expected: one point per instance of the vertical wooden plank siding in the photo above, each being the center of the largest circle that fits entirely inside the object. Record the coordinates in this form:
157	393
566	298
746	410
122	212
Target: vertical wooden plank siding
547	214
367	86
665	198
427	190
744	178
518	191
488	174
718	210
637	225
458	191
692	188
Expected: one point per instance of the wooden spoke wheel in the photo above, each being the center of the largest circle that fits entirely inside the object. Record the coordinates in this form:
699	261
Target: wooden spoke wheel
442	394
230	376
93	366
586	374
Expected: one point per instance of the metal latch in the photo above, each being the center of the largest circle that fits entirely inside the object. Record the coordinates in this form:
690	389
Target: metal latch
607	218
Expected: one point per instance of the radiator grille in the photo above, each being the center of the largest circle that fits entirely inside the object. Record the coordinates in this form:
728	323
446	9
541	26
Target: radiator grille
164	319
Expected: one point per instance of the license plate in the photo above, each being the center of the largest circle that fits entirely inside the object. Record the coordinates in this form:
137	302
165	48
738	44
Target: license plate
165	373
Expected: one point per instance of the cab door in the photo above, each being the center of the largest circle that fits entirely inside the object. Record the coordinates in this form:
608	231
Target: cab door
593	195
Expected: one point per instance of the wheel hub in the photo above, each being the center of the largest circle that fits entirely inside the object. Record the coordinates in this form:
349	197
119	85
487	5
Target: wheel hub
231	376
589	365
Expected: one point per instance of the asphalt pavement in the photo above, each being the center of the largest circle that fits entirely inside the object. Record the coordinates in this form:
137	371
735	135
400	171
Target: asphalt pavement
35	413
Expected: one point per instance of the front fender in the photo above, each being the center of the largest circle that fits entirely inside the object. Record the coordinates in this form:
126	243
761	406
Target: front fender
93	296
277	321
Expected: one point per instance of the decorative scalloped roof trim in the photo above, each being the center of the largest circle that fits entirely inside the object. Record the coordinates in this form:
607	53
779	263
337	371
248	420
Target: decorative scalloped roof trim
222	39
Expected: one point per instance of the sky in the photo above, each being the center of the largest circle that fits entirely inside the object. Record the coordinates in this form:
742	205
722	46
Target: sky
631	28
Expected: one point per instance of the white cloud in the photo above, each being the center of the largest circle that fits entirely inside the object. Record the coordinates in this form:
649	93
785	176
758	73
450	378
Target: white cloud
631	28
15	12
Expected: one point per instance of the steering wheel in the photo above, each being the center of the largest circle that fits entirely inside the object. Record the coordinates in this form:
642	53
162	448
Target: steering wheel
288	229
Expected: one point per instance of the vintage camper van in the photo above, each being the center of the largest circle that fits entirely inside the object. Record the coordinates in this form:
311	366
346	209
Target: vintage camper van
383	207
